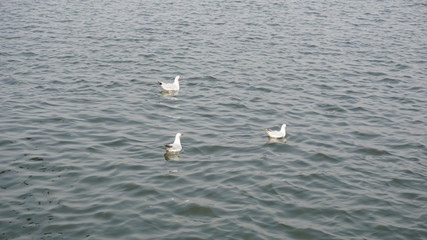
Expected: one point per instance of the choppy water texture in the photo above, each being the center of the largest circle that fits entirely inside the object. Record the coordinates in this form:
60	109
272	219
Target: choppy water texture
82	122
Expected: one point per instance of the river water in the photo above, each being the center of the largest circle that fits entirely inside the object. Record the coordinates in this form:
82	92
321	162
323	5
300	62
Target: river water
83	122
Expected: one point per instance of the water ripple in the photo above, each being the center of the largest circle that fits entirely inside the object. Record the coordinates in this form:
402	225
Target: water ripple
83	122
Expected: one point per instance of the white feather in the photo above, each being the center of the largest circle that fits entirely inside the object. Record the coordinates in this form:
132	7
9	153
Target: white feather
171	86
277	134
176	145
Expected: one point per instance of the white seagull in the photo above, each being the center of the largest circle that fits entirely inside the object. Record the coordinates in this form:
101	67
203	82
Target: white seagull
176	145
170	86
277	134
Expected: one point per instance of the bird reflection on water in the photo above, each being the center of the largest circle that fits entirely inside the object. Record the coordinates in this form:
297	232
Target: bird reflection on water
276	140
171	156
170	94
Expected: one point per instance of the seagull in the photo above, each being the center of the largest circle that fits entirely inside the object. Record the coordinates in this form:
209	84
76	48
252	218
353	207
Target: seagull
176	145
170	86
277	134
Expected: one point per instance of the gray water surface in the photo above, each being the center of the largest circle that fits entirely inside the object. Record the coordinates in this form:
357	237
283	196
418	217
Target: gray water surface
83	123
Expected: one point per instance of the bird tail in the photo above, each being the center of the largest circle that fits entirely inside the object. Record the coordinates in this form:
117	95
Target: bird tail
267	130
160	83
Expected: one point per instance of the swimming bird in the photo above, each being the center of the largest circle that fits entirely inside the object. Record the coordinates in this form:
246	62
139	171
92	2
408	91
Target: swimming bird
176	145
170	86
277	134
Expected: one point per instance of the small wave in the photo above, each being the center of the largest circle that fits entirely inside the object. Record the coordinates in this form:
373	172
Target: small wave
324	157
376	73
372	151
194	209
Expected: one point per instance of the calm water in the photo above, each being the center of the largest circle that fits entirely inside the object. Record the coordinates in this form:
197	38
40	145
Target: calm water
82	122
